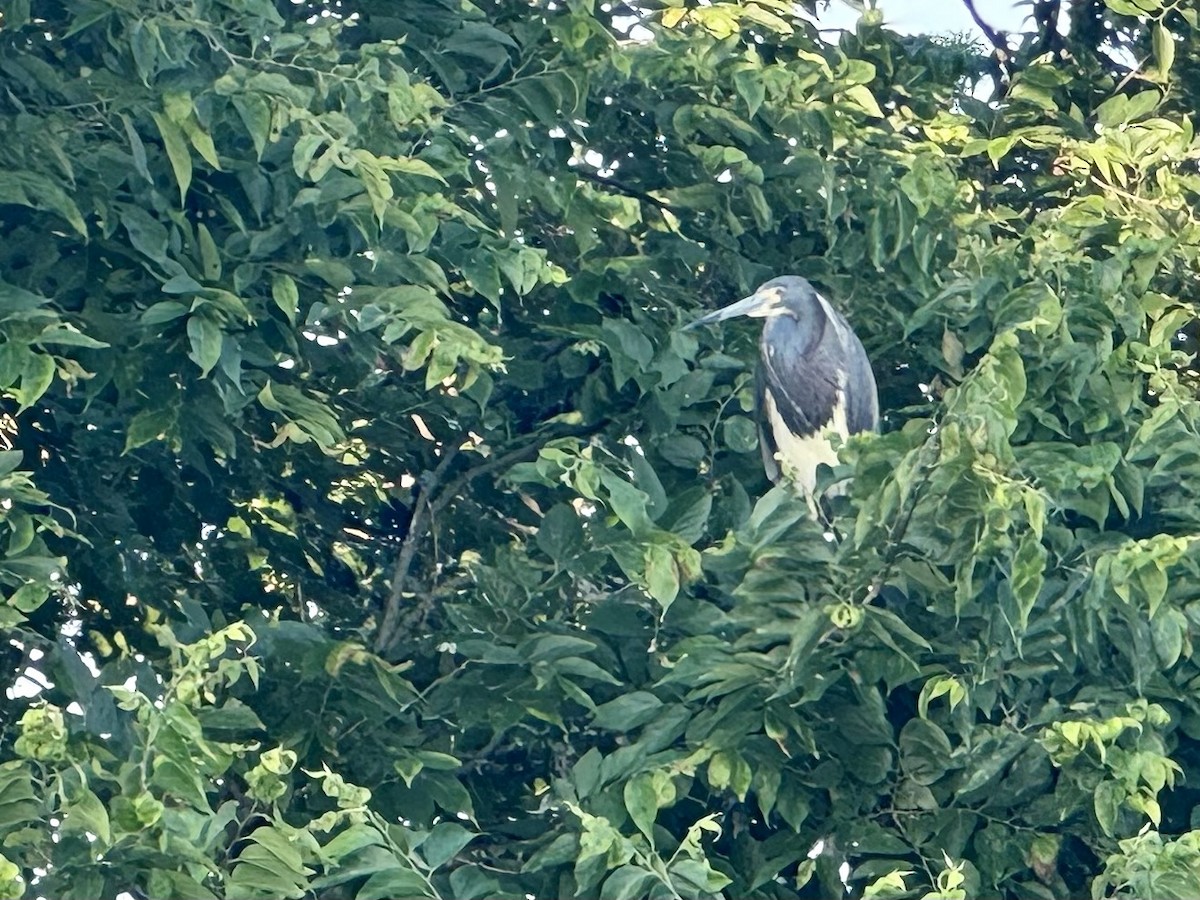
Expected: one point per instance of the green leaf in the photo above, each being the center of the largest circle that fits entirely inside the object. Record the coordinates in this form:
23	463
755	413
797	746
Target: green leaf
1169	629
627	502
305	149
1122	109
83	813
9	460
177	152
860	96
410	166
556	646
165	311
314	418
560	534
255	114
37	374
146	232
641	801
1108	796
751	88
182	284
1130	8
16	13
177	885
286	295
18	802
627	712
69	337
484	276
924	751
740	434
584	668
469	882
1028	567
210	256
203	142
684	451
889	886
28	597
627	883
586	775
352	840
137	149
662	575
1164	48
205	338
728	770
444	843
631	349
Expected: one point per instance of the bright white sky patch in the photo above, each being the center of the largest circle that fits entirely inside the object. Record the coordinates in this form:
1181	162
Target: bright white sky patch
939	17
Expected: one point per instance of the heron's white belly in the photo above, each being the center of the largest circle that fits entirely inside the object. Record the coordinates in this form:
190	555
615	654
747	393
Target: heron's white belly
799	457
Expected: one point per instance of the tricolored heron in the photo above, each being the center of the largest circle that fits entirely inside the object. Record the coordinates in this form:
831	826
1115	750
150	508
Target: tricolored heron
814	379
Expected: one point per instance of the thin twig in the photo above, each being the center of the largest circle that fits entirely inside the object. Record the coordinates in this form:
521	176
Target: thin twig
1129	76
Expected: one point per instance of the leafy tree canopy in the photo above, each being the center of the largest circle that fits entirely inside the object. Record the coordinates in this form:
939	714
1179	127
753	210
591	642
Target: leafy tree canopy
371	530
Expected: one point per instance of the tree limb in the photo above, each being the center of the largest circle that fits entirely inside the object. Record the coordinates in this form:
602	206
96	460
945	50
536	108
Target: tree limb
1045	14
621	187
431	499
408	549
497	462
997	39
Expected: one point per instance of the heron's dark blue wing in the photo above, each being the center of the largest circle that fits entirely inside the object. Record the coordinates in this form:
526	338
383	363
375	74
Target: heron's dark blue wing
810	368
856	380
800	374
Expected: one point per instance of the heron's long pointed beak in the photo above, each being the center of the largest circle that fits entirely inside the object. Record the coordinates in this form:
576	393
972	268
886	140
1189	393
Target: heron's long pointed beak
756	304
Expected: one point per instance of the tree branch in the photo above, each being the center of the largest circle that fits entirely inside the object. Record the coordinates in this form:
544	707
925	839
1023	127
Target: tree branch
497	462
997	39
896	537
621	187
408	549
1045	14
431	499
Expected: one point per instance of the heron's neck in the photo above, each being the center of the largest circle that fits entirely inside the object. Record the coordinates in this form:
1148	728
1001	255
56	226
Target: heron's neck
788	330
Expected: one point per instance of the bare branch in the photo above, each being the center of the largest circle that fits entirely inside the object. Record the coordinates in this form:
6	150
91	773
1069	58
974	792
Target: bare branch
621	187
408	549
431	499
1045	14
996	38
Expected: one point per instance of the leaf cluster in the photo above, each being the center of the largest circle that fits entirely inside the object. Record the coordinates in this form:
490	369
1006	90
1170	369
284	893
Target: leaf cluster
372	530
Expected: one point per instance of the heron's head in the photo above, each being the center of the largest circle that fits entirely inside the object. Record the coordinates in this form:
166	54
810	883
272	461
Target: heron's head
788	295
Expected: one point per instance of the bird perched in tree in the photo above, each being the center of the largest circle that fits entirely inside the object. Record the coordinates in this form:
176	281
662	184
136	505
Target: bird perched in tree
814	379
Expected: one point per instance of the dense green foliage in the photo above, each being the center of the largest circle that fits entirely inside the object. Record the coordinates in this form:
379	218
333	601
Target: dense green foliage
376	533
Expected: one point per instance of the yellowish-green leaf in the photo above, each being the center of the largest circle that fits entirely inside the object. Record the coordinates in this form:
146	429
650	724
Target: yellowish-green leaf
177	152
860	95
1164	48
410	166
